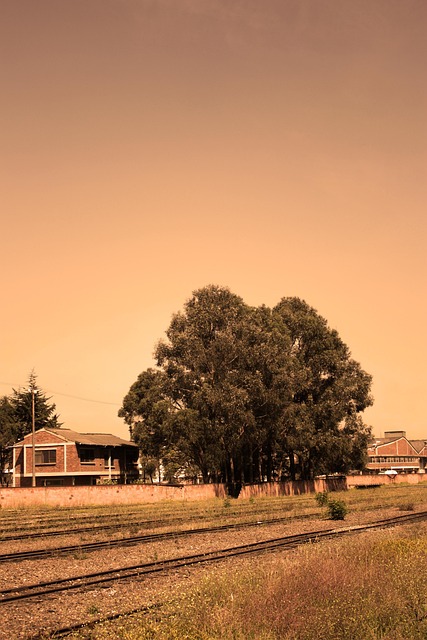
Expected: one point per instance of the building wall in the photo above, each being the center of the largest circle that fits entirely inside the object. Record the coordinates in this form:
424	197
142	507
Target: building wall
105	495
24	462
398	448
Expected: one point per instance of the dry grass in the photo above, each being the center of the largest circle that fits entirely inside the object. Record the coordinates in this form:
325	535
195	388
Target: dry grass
400	496
360	588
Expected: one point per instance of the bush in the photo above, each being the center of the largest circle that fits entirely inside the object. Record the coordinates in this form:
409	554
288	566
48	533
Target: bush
408	506
337	509
322	498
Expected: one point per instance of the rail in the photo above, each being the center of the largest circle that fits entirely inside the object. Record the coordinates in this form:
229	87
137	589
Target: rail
136	571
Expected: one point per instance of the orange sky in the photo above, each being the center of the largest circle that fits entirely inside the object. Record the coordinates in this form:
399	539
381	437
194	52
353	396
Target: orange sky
151	147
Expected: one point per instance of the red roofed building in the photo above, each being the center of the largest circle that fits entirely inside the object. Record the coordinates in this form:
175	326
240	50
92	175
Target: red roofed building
395	452
67	458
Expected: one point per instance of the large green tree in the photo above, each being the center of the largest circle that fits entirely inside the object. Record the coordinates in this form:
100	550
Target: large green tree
245	394
203	407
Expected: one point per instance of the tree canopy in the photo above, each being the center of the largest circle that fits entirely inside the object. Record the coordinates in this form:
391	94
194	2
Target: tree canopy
16	416
243	394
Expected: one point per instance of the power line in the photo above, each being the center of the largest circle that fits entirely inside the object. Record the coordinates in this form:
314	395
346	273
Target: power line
66	395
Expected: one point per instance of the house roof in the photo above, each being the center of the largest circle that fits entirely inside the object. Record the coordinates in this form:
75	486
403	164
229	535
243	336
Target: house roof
380	441
418	444
100	439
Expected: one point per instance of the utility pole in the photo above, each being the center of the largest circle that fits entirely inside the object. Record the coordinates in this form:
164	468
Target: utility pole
33	439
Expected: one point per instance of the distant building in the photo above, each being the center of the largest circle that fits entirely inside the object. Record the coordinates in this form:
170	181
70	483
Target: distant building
67	458
395	452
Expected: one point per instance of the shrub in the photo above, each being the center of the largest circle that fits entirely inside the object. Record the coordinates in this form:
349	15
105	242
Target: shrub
93	609
337	509
322	498
408	506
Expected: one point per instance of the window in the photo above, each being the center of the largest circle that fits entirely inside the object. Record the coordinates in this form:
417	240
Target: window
87	455
107	463
53	482
45	456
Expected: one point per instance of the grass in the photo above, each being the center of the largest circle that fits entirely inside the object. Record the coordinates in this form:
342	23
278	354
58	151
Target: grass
364	588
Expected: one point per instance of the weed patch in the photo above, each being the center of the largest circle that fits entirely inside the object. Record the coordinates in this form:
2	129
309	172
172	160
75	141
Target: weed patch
337	509
322	498
367	588
409	506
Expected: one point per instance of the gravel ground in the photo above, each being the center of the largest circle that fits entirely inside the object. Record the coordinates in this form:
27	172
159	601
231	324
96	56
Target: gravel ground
27	619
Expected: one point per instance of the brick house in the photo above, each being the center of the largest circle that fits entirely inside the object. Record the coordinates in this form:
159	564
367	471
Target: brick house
395	452
67	458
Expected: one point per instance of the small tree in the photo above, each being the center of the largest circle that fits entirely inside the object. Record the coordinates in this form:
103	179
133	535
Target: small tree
21	402
16	418
8	433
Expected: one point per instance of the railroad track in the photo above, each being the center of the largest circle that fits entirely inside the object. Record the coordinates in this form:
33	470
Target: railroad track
66	516
63	632
133	540
63	519
24	534
146	569
92	524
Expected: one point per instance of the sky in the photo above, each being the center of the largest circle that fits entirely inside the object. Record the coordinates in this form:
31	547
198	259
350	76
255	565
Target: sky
152	147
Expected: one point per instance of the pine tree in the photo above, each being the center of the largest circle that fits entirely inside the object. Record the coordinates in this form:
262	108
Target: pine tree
8	432
22	401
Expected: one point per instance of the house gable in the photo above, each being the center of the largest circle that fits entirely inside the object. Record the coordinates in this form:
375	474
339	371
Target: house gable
42	436
399	447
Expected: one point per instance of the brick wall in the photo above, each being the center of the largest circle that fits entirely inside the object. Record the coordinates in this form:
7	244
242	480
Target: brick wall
105	495
293	488
148	493
376	479
43	437
45	469
397	448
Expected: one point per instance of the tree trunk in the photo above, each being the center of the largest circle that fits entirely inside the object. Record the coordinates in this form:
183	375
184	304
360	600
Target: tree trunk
260	474
292	466
232	476
269	465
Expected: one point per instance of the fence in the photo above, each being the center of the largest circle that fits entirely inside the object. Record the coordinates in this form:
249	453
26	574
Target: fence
148	493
